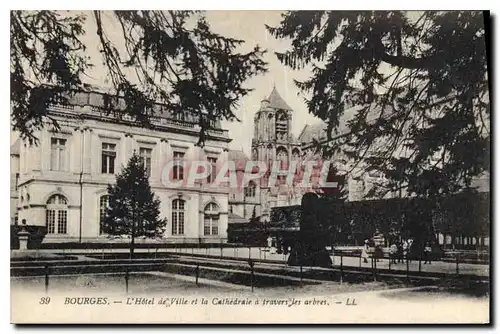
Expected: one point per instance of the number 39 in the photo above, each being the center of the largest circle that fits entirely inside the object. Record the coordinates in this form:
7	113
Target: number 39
44	300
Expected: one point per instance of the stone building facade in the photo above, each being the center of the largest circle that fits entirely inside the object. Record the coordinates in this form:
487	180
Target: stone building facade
62	182
273	141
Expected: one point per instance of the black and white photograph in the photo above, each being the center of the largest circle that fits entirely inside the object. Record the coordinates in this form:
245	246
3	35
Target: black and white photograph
250	166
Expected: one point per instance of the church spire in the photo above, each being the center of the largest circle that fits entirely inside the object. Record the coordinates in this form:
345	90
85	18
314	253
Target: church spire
276	101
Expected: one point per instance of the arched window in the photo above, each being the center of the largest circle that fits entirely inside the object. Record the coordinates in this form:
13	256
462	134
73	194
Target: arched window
250	189
178	207
103	211
270	126
269	153
281	126
297	158
211	219
56	218
282	156
255	154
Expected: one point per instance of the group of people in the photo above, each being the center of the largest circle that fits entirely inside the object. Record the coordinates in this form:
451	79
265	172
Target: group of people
399	251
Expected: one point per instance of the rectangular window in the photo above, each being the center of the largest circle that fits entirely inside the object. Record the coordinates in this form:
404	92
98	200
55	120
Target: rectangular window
213	170
181	223
177	223
62	222
206	226
51	221
145	154
177	217
58	154
174	223
108	157
211	225
103	212
215	227
178	168
250	191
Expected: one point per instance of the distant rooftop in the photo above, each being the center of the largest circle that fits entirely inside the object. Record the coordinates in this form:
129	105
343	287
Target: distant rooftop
15	148
239	158
317	131
276	101
97	100
236	155
234	218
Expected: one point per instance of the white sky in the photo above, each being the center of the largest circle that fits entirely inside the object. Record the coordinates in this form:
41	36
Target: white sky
249	26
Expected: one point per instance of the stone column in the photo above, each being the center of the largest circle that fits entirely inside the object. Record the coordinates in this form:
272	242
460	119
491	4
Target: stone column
129	147
201	217
28	158
88	150
45	149
162	160
37	158
23	237
75	154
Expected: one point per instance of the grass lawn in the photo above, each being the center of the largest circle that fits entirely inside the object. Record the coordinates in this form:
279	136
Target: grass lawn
33	255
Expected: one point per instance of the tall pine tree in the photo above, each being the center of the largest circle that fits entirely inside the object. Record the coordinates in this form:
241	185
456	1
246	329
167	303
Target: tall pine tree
133	208
333	226
169	57
415	85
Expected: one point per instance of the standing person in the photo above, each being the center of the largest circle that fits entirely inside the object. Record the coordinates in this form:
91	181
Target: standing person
427	252
269	242
393	252
379	241
400	251
364	251
405	250
410	249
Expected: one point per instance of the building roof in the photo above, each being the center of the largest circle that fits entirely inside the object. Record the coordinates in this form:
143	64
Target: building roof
97	100
310	132
239	158
237	155
276	101
234	218
15	148
318	131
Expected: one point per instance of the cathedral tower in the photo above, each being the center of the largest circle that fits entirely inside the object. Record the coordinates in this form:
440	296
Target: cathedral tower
273	139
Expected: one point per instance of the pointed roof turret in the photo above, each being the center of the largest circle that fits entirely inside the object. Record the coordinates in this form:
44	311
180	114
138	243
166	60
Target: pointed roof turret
276	101
15	148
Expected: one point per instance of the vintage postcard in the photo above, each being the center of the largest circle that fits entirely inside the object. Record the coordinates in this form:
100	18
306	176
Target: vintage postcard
256	167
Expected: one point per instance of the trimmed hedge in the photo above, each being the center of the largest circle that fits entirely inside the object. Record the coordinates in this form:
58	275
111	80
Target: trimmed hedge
37	233
126	245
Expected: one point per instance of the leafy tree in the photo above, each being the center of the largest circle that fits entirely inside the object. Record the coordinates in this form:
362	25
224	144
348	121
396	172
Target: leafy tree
333	221
254	218
338	192
416	83
133	209
167	57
